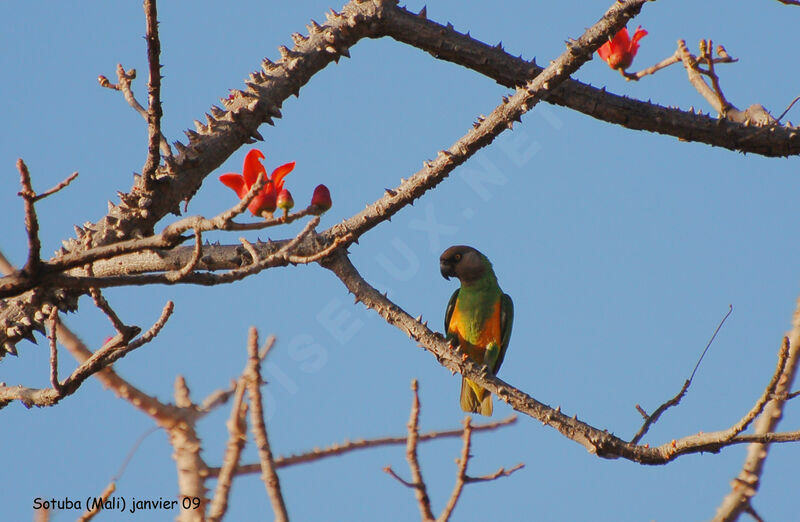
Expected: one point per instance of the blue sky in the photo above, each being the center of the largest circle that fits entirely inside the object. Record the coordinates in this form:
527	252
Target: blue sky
622	251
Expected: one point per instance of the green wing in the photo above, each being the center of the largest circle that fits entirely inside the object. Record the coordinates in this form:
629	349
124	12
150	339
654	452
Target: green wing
506	321
451	305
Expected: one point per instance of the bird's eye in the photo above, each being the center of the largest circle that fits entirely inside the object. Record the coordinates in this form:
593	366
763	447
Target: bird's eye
458	257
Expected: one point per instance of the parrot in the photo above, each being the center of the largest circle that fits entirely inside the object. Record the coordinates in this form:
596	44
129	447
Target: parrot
478	318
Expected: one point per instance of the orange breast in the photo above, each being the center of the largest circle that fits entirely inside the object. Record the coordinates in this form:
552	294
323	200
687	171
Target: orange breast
472	336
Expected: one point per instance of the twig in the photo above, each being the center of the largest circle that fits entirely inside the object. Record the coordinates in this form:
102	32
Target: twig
671	60
779	118
56	188
252	378
33	264
101	303
187	269
461	474
217	398
502	472
52	337
749	507
420	490
348	446
154	112
112	351
237	429
649	420
125	78
98	506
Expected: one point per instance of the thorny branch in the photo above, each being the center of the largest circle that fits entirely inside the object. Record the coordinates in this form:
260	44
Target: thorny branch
596	441
229	128
113	350
154	112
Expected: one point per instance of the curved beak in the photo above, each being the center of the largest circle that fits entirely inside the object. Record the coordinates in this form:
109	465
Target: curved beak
447	270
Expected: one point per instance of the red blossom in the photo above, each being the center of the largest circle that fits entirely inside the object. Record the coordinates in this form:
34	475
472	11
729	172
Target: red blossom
321	199
265	202
619	52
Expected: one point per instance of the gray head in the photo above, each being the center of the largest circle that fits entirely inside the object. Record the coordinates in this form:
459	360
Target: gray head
463	262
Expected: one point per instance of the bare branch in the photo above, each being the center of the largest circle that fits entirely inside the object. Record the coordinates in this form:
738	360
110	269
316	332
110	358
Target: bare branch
90	513
112	351
33	264
420	491
348	446
745	485
54	350
58	187
237	429
649	420
125	78
502	472
461	475
779	118
187	269
252	378
101	303
154	112
671	60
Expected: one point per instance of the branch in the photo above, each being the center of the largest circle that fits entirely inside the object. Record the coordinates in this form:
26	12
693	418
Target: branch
125	78
445	43
252	378
755	113
672	60
461	476
154	112
348	446
32	265
417	483
745	485
596	441
227	129
649	420
112	351
237	429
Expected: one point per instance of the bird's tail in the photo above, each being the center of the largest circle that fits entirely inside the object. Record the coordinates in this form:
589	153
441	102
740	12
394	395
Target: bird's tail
475	399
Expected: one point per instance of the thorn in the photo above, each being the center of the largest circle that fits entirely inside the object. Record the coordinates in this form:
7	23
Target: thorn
390	192
423	13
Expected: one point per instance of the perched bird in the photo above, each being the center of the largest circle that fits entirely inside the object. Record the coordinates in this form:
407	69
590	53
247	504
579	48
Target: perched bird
478	318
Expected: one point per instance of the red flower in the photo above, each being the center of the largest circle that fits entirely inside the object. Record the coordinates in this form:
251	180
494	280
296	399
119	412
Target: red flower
321	199
619	52
265	202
